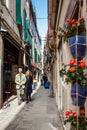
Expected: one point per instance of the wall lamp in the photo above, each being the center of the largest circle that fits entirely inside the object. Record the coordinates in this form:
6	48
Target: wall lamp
3	30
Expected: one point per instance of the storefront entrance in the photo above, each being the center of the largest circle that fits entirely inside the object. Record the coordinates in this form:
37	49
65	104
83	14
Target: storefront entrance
11	54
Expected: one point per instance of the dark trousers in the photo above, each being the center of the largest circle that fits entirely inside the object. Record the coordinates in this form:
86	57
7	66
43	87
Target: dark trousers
28	96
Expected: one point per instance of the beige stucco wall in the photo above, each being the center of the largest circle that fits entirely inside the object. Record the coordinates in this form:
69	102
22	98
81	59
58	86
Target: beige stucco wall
63	98
7	16
63	11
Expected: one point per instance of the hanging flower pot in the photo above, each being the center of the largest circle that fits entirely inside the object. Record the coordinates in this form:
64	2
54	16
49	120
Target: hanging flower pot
77	46
74	32
78	94
75	71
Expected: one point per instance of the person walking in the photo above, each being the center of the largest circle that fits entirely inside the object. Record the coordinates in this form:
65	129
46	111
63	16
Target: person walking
45	79
28	86
41	80
20	80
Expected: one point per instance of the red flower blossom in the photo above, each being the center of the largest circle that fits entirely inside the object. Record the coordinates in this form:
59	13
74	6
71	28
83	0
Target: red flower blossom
73	26
82	63
82	112
72	69
72	61
76	22
59	35
72	119
73	21
67	113
68	20
71	112
75	114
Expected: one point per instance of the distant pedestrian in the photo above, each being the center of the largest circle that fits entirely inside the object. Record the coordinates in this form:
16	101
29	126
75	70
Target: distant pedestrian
34	84
41	80
20	80
28	86
45	79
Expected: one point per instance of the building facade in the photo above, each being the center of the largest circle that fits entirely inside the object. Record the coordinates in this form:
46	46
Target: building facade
58	12
36	45
16	41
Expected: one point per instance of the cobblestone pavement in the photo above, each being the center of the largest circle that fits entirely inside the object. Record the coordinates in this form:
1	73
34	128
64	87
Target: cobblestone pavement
40	114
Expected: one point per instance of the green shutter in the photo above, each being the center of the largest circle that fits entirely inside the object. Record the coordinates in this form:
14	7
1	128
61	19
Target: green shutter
27	36
38	58
18	11
24	17
35	54
40	42
27	24
47	60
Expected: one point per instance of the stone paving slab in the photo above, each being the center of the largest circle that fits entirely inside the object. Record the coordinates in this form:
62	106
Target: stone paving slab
9	114
40	114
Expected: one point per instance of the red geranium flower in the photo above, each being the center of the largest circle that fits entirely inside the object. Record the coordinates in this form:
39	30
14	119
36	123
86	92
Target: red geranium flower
68	20
67	113
71	111
72	69
59	35
82	112
73	26
72	119
82	63
75	114
72	61
76	22
73	21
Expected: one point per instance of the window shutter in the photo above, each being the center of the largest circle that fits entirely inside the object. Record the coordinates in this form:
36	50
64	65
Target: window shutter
18	11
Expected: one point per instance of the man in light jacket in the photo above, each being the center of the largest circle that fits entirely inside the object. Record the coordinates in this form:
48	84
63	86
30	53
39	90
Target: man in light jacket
20	80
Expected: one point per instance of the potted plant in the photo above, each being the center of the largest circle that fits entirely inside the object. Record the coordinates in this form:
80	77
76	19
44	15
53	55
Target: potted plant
74	32
77	122
74	73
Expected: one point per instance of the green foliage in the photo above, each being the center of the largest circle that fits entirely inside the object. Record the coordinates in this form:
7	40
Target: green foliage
73	73
72	28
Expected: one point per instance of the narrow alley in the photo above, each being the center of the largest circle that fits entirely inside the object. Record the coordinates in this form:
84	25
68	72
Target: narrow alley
43	64
40	114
